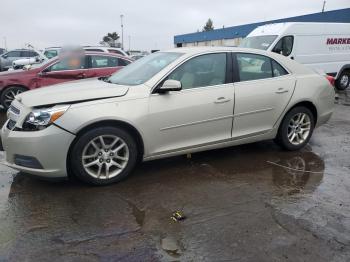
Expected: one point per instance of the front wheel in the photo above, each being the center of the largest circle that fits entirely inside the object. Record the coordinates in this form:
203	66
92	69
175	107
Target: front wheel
343	81
9	94
296	128
103	155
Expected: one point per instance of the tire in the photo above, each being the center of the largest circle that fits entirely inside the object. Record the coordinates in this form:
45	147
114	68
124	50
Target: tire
343	80
93	170
290	127
9	94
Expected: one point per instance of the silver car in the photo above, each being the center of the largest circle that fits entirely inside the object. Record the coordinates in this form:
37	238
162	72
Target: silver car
165	104
8	58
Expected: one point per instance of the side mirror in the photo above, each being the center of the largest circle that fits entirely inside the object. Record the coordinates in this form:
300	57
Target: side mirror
5	56
42	73
170	85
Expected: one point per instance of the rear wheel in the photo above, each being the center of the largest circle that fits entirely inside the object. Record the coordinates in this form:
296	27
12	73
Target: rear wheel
8	95
104	155
296	128
343	81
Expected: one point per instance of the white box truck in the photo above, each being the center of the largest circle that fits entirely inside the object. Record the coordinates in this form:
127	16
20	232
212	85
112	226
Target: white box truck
321	46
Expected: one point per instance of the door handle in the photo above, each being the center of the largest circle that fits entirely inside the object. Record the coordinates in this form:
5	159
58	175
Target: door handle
281	91
221	100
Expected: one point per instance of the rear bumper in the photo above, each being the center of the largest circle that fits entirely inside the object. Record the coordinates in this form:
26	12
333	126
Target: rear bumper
48	147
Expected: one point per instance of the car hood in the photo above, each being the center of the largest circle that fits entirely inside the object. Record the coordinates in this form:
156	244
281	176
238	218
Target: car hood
13	73
71	92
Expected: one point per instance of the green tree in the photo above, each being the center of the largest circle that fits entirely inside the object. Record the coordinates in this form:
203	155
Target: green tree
208	25
111	39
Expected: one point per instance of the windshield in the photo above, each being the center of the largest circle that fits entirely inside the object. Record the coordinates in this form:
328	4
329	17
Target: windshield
143	69
262	42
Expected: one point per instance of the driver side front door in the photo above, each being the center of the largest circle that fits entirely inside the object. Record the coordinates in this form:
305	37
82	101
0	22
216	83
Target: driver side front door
62	72
201	113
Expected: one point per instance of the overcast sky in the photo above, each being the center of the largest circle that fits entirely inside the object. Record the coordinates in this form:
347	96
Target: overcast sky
151	24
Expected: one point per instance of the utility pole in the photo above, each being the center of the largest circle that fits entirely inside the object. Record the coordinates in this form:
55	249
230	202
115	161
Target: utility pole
129	42
324	5
5	43
122	26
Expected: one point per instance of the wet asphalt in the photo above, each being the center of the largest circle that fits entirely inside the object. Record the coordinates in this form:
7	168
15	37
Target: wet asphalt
248	203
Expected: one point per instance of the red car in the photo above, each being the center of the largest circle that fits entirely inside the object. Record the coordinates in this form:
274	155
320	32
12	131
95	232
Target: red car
54	71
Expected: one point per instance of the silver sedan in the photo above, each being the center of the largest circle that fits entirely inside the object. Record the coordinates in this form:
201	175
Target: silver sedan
165	104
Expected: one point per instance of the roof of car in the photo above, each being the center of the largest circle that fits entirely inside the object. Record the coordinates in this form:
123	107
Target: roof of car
106	54
203	49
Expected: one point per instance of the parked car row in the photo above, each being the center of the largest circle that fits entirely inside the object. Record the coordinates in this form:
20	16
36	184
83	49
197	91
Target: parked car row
16	59
55	70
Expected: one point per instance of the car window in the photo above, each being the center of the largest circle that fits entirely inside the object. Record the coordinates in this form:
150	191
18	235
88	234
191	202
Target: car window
72	63
253	67
204	70
123	62
14	54
29	53
284	46
50	53
278	70
98	61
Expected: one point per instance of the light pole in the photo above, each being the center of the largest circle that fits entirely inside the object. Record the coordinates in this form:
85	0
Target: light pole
122	26
5	43
129	42
324	5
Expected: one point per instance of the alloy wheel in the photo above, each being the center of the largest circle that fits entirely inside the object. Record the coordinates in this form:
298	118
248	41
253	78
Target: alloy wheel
299	128
105	156
344	81
10	96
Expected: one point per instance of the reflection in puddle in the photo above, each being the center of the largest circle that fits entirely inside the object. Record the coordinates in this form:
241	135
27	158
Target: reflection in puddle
298	174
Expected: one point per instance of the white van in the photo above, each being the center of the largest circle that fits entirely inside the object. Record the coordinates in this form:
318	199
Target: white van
321	46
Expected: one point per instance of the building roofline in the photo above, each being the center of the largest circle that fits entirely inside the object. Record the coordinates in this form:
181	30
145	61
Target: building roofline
337	16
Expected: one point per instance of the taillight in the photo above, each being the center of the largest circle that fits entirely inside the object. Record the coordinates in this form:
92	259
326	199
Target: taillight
331	80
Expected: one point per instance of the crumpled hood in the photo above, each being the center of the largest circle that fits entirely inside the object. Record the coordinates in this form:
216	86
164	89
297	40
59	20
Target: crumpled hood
75	91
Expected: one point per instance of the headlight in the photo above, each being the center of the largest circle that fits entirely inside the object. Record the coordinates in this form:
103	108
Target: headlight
46	116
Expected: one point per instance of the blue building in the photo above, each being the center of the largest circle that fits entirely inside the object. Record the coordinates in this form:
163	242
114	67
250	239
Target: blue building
231	36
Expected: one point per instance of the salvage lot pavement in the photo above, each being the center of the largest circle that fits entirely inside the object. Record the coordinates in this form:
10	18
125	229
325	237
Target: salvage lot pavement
244	203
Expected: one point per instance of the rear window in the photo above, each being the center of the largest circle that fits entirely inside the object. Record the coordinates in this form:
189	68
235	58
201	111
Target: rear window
255	67
100	61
